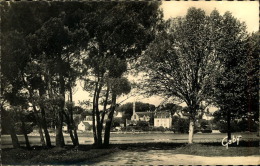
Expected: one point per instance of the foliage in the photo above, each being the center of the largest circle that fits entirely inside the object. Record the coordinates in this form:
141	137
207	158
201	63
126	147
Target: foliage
118	33
235	90
142	124
193	54
180	125
160	128
49	45
78	110
117	122
39	56
28	128
204	123
238	124
84	114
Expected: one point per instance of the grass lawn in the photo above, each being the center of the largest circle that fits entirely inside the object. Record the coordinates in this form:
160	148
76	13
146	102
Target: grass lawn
68	155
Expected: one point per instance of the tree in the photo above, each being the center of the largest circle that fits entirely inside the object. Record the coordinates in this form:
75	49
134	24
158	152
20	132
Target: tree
44	38
8	123
46	43
18	21
119	32
13	61
180	125
183	61
235	86
57	47
170	107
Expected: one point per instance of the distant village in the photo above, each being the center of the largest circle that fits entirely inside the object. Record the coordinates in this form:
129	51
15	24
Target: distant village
157	118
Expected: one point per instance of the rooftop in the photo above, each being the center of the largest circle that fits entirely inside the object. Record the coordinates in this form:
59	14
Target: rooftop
162	115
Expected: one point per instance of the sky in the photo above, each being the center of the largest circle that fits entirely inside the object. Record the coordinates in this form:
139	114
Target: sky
245	11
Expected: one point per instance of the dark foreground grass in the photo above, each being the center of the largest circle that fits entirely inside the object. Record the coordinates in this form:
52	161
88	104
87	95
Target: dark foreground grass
67	155
85	153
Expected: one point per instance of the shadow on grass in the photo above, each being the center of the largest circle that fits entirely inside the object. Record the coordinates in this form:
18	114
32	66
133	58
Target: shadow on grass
147	146
171	146
138	146
86	153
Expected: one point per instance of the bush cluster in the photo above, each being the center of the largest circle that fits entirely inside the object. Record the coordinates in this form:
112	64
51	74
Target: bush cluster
238	126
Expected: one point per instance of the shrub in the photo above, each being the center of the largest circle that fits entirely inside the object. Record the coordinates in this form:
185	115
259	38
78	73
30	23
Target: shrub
244	125
181	125
206	131
28	128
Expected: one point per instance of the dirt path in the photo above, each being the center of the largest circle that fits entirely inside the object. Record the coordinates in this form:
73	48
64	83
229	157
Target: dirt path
167	157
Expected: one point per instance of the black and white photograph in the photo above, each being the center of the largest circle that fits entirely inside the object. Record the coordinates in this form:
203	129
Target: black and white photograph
85	82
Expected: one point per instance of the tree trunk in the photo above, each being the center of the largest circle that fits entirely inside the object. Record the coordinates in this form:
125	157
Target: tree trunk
99	125
40	131
93	117
109	121
76	136
68	119
70	130
28	146
43	121
59	135
228	124
107	131
14	138
39	125
191	131
105	106
41	135
73	127
72	136
45	129
37	118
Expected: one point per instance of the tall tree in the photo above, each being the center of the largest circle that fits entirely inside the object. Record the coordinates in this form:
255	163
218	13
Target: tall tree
58	44
184	59
17	21
119	31
48	36
235	84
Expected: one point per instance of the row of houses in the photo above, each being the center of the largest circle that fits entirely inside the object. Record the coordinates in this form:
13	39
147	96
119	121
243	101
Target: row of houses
160	118
163	119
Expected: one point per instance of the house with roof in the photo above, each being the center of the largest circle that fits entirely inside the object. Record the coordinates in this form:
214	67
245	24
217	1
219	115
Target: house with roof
163	119
131	122
180	114
141	116
83	126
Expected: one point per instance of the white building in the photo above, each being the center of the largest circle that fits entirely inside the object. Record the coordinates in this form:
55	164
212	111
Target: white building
163	119
83	126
